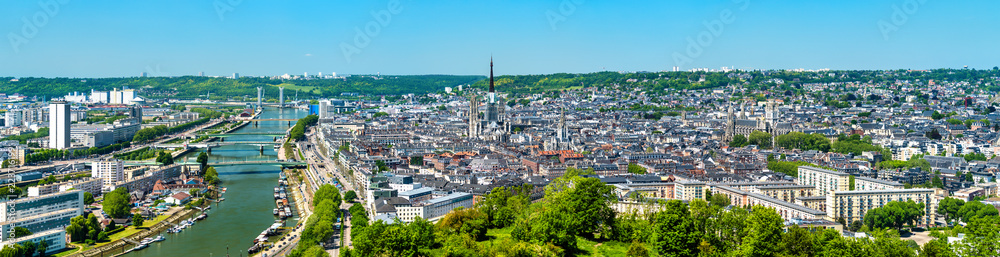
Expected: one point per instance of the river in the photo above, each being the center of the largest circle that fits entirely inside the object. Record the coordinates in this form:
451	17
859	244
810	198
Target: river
233	224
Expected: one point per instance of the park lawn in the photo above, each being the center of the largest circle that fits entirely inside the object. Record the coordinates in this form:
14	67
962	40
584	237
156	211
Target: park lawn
116	236
292	87
71	251
131	230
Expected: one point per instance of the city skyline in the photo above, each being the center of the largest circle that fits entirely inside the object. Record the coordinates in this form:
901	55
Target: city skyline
53	38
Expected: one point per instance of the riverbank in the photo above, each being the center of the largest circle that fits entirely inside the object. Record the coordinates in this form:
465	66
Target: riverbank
288	240
119	246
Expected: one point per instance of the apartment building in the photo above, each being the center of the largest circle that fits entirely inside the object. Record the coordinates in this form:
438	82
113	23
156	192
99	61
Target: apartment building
871	184
92	185
111	172
688	190
825	181
853	205
787	210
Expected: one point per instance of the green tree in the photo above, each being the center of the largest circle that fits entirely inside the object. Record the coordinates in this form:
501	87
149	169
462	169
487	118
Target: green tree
165	158
738	141
763	232
635	169
975	209
674	232
203	160
350	196
982	237
797	242
949	207
137	220
212	176
88	198
760	138
937	248
720	200
895	214
21	232
326	192
116	203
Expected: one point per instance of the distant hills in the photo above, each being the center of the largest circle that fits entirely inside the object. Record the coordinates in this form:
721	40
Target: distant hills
222	88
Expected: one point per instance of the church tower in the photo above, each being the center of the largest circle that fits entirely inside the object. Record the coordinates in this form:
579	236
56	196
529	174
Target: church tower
492	112
562	125
473	115
730	124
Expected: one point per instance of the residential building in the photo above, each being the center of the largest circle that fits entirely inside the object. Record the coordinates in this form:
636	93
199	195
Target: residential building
825	181
59	125
853	205
111	172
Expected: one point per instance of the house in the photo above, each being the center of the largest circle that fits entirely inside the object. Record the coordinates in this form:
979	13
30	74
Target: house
178	198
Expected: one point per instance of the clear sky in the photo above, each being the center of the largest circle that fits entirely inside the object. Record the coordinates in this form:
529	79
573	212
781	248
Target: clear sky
100	38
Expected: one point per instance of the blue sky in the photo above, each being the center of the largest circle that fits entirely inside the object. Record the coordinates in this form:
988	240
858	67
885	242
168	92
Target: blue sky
99	38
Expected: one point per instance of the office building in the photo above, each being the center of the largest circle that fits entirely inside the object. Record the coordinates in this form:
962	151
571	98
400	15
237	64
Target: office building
59	125
825	181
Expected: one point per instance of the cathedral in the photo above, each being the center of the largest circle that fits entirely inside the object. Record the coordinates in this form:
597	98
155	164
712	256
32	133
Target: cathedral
495	126
768	123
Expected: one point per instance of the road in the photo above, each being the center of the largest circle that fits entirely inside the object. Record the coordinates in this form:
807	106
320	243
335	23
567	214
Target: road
131	148
330	168
314	177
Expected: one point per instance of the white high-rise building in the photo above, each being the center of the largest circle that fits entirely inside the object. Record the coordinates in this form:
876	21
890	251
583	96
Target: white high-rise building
13	118
59	125
99	96
110	171
260	97
127	96
281	97
116	97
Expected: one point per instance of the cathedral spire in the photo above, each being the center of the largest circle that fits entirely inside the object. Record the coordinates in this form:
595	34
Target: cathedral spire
491	74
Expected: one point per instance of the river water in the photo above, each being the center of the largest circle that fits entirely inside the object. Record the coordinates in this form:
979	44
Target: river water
235	222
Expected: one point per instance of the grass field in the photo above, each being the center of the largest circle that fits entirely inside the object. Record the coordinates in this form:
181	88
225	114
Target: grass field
290	88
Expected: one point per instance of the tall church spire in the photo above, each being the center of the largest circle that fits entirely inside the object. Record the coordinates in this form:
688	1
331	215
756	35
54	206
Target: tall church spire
491	74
